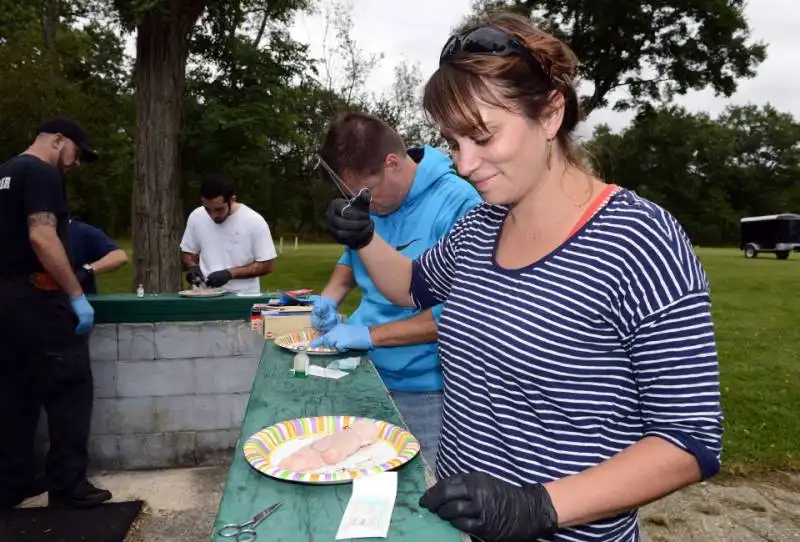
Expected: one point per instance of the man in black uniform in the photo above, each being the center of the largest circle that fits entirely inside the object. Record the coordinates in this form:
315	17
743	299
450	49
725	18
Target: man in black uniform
92	253
44	321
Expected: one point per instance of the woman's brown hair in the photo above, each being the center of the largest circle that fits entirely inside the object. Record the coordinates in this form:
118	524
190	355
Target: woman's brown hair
463	80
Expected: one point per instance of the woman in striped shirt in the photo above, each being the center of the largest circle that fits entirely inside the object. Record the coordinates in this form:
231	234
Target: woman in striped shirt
580	366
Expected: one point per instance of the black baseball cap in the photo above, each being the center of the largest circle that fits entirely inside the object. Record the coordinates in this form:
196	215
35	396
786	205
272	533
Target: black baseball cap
69	128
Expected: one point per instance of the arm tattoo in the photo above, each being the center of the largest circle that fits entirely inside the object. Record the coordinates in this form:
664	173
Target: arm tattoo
42	219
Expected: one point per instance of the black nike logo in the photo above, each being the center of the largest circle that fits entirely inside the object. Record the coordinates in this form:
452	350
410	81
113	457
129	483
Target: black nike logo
401	248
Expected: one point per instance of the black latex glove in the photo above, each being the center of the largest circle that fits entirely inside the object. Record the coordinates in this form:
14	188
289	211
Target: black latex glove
491	509
83	275
194	276
218	278
350	223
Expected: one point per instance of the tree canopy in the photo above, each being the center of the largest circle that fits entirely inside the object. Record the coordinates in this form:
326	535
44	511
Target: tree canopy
221	86
651	49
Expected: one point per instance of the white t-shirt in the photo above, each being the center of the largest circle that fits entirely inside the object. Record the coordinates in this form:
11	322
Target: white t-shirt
242	239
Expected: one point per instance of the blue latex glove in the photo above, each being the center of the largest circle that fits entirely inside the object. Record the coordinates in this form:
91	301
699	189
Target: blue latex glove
85	313
323	314
345	337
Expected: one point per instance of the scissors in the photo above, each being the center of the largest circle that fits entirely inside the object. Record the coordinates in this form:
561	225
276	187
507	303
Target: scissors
244	532
346	192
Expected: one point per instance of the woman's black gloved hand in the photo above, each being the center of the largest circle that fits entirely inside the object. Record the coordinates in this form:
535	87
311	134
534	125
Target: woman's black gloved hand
491	509
350	223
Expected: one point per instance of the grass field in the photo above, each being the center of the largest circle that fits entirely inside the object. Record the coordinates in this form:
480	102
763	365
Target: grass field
756	306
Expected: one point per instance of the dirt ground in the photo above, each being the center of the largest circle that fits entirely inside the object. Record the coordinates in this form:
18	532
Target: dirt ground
730	511
181	506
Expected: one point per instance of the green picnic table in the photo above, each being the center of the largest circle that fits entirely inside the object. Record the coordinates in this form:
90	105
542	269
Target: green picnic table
312	513
169	307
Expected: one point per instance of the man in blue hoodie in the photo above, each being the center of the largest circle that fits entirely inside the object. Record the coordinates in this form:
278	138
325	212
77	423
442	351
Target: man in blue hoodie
417	197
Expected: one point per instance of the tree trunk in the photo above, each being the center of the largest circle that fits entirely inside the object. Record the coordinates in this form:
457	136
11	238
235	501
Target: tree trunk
160	73
49	15
261	29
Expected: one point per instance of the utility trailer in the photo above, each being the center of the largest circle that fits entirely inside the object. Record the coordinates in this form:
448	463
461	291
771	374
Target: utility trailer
770	233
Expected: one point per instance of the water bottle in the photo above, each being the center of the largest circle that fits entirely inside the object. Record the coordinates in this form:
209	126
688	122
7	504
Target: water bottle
300	362
140	291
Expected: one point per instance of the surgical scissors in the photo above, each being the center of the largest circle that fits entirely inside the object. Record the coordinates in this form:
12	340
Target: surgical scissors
346	192
244	532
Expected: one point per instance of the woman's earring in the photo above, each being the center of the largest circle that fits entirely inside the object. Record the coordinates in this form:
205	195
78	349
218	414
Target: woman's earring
549	152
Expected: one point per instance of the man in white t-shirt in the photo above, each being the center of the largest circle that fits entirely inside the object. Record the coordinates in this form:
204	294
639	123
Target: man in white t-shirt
226	243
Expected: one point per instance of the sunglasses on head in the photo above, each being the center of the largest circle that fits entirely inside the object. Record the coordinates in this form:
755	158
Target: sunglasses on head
487	40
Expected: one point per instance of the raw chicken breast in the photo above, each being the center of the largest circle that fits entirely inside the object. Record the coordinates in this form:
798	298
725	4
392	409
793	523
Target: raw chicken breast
342	444
306	458
332	449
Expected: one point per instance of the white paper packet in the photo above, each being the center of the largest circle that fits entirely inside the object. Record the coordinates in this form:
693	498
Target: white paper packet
346	364
370	508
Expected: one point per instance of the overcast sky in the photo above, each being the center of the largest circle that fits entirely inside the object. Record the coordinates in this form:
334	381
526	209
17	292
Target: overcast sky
415	30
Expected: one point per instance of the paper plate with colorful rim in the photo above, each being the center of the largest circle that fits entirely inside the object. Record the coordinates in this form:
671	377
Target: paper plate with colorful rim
267	448
216	292
299	340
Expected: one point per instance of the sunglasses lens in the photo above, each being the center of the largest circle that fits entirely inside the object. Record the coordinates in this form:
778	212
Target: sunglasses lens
488	40
450	48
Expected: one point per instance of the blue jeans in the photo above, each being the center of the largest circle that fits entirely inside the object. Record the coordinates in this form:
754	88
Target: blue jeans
422	413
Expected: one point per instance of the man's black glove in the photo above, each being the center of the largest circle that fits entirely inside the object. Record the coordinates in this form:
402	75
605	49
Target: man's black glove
492	510
218	278
194	276
350	223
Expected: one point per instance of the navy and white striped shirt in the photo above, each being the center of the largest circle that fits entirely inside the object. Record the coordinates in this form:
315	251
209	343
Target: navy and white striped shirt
556	367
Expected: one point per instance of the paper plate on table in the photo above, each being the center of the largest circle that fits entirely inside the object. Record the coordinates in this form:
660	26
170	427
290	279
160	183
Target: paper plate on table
209	292
267	448
299	340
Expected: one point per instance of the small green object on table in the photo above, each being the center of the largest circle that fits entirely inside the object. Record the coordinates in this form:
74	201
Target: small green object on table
312	513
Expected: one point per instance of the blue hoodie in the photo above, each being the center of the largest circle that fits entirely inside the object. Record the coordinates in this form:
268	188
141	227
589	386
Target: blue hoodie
437	199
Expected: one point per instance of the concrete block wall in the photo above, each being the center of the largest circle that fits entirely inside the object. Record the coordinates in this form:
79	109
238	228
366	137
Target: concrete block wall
170	394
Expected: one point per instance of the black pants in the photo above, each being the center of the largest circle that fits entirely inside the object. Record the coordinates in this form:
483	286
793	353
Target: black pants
43	363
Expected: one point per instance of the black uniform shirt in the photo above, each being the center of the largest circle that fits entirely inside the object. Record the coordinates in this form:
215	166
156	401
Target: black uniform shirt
28	185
